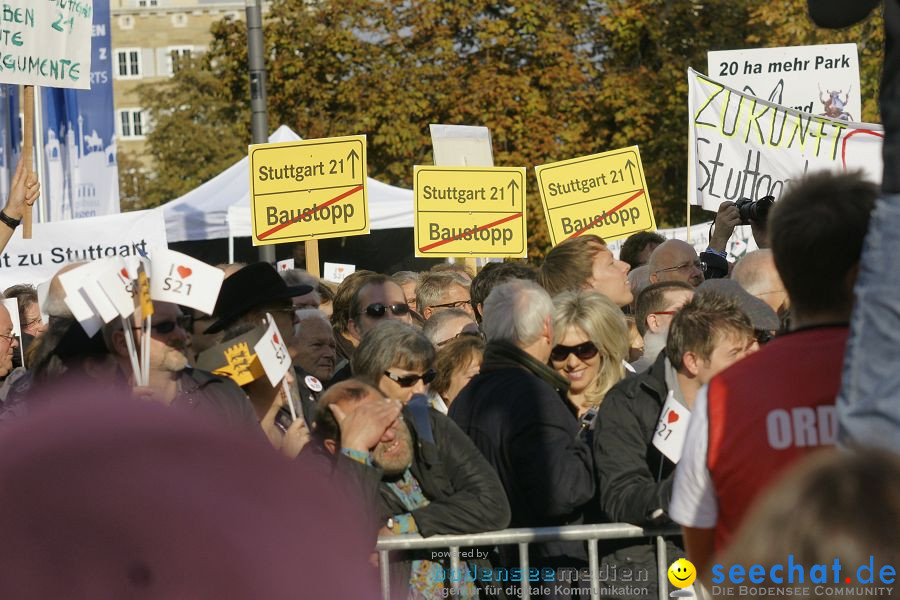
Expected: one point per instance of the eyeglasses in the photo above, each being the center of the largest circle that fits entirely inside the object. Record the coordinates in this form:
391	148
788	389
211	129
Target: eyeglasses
665	312
411	379
473	333
457	304
378	310
27	324
697	263
167	327
585	351
8	337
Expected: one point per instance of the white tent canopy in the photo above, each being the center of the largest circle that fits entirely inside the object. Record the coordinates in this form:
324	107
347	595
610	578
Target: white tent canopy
222	205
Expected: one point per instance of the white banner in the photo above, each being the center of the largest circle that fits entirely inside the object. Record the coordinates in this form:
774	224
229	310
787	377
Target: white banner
740	243
744	147
56	244
47	43
823	79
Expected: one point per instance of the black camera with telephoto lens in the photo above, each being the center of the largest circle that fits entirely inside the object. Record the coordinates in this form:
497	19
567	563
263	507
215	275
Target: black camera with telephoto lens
755	210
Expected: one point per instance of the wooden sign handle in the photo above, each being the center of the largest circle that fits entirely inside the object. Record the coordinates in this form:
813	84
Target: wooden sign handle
312	257
28	153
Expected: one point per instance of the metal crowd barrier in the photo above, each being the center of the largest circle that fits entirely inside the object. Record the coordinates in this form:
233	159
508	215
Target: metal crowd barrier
523	537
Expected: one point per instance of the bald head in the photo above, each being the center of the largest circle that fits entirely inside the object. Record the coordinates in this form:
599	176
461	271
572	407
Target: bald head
756	273
675	260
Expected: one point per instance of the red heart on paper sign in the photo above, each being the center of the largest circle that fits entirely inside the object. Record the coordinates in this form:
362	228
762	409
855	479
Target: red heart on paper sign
673	416
184	272
275	337
124	273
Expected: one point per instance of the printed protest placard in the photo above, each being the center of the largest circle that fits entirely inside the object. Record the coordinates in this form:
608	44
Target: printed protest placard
307	190
180	279
671	428
337	272
12	305
602	194
46	43
72	282
465	211
118	285
235	358
745	147
822	80
273	353
59	243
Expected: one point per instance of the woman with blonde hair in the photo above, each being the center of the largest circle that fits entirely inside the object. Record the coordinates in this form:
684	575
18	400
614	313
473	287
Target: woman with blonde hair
591	347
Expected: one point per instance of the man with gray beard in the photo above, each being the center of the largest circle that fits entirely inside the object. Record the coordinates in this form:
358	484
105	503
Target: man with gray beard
172	381
421	471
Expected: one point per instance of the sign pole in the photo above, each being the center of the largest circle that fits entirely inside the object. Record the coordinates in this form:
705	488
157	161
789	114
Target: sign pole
28	151
259	119
312	258
42	206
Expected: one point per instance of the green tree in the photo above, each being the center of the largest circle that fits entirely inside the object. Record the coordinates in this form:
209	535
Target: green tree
788	24
200	119
552	80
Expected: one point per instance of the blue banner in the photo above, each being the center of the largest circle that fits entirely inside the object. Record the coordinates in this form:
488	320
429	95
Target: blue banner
80	174
10	135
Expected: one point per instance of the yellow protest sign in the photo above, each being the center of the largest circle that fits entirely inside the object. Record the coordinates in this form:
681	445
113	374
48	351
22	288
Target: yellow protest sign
602	194
308	190
470	211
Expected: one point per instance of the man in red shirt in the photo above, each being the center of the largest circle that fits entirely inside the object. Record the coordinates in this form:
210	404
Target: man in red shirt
774	407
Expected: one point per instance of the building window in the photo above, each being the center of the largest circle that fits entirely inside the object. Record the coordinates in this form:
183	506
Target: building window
179	20
132	124
178	56
129	63
146	3
126	22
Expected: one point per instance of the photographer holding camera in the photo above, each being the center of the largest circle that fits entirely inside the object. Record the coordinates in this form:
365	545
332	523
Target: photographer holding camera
754	213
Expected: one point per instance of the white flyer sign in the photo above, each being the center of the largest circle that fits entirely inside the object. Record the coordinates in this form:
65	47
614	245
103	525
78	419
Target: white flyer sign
822	80
745	147
46	43
273	353
56	244
181	279
668	437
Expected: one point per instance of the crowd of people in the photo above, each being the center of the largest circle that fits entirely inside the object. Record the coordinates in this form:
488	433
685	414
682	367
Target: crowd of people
665	389
453	402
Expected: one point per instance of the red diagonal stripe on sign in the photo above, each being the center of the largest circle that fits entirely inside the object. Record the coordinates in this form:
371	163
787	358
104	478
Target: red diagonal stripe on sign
637	194
278	228
462	235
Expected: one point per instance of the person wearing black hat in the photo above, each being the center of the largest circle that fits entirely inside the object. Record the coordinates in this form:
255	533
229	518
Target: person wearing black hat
251	292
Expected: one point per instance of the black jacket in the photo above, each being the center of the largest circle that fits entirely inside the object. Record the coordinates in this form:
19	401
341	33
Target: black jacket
200	392
635	479
463	491
218	397
517	414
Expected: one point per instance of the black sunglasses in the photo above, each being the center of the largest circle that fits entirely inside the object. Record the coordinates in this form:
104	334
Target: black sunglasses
585	351
167	327
376	311
411	379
